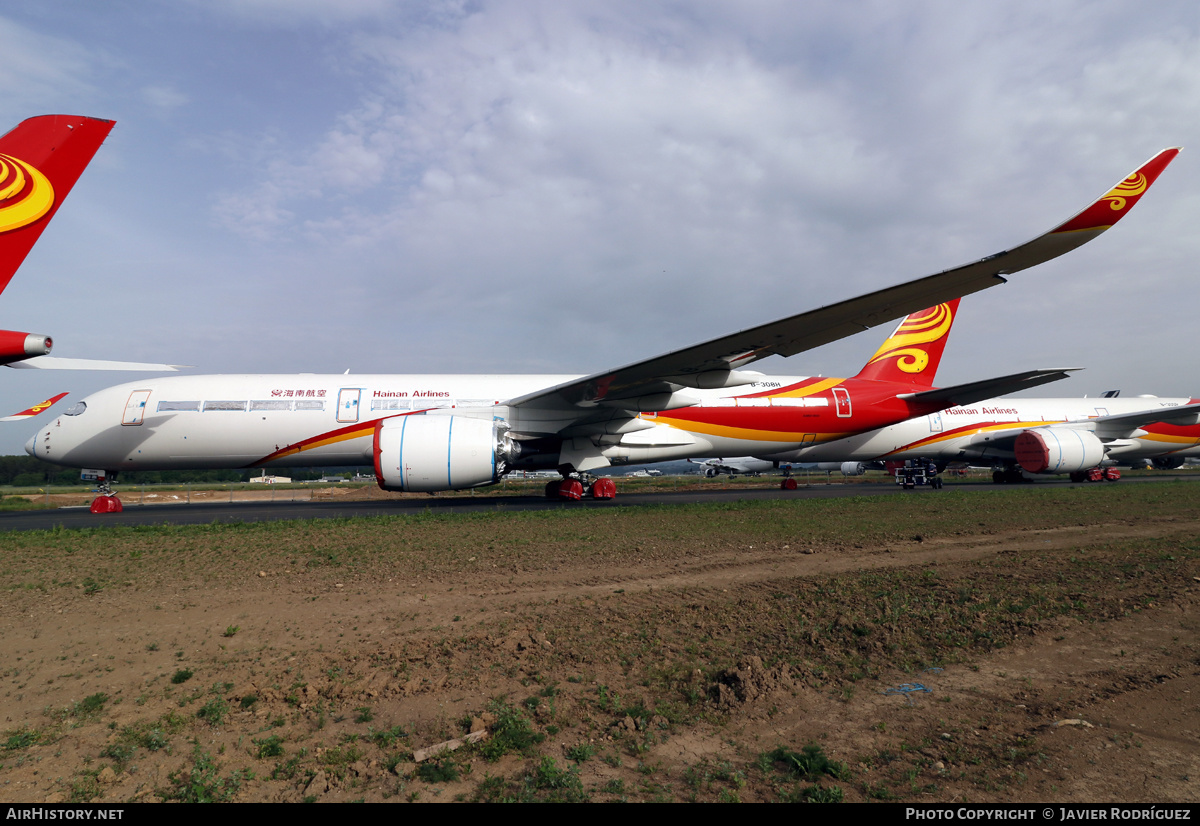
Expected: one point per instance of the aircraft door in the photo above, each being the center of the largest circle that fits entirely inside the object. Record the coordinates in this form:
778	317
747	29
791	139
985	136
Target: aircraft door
347	409
841	401
135	408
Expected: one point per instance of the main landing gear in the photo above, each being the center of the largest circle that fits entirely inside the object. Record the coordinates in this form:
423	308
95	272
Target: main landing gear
1013	476
107	501
1097	474
1010	475
578	486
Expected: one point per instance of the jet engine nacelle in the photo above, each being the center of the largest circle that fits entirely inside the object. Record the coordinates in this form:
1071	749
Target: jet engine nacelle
425	453
1058	450
847	468
16	346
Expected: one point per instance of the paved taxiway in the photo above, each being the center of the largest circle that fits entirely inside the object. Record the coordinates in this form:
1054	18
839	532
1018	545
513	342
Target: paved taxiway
205	514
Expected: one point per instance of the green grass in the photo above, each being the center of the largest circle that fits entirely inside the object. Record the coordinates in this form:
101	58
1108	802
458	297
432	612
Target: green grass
203	781
512	732
661	657
462	543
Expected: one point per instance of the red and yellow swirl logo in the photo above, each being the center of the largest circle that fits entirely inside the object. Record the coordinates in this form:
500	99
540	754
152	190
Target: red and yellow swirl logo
1131	187
25	193
918	328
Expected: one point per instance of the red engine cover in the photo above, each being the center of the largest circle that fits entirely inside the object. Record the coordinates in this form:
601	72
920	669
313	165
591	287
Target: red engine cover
1032	453
1058	450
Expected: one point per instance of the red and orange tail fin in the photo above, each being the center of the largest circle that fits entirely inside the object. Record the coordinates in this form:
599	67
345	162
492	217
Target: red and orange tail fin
30	412
40	160
912	353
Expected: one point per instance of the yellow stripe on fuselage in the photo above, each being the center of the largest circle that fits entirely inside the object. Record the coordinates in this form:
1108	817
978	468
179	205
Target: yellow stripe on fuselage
747	434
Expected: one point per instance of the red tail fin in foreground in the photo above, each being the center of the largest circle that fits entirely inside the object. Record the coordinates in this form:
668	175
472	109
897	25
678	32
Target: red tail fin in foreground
912	353
40	160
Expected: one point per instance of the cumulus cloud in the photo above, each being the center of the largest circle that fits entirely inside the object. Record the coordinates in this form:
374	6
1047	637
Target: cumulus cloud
506	184
589	168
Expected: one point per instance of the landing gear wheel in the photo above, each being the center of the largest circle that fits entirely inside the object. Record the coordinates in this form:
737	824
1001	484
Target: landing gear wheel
570	489
107	503
604	489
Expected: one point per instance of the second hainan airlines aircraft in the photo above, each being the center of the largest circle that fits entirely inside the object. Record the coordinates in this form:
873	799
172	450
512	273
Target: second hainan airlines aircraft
433	433
1023	438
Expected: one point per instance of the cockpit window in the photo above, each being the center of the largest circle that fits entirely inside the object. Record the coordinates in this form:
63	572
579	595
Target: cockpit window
75	409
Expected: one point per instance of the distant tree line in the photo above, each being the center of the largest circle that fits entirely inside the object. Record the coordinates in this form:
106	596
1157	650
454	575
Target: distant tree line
26	471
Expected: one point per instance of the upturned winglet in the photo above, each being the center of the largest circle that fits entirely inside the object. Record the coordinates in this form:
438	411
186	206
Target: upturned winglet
1113	205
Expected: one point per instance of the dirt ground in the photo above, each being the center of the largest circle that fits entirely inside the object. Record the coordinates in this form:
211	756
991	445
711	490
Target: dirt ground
314	682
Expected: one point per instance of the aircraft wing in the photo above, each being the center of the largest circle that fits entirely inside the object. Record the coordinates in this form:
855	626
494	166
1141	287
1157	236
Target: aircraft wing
30	412
53	363
977	391
1123	425
648	384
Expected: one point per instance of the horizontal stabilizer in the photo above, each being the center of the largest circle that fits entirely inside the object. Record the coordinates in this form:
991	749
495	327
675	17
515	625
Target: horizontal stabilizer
52	363
977	391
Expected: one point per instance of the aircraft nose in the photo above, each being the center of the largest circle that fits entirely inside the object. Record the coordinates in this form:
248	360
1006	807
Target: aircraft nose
31	445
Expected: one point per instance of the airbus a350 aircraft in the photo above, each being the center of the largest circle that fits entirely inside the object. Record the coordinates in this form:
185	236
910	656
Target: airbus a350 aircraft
40	161
1028	437
695	402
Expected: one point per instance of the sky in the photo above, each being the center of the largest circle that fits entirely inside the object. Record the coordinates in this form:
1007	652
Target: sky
563	187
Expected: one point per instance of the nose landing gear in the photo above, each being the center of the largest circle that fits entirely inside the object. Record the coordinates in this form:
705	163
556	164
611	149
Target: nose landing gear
107	501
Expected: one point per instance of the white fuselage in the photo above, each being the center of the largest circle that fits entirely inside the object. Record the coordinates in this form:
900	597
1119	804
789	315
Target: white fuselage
233	421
